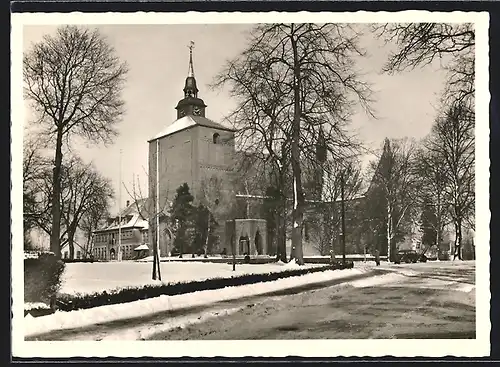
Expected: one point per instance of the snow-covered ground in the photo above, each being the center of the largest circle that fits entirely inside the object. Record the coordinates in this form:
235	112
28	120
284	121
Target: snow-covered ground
97	277
28	306
91	316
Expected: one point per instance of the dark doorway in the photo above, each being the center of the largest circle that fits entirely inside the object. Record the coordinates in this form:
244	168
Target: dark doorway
258	243
244	245
233	245
112	254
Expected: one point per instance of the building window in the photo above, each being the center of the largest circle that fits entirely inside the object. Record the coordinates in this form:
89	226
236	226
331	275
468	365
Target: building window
78	254
216	138
65	254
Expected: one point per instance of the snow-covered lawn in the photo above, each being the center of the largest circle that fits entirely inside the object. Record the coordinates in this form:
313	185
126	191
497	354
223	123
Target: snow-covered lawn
97	277
91	316
28	306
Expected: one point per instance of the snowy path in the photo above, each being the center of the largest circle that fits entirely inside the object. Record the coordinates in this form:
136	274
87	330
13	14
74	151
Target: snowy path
136	320
420	301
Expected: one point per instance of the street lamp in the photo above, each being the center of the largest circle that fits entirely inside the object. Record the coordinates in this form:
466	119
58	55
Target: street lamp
342	183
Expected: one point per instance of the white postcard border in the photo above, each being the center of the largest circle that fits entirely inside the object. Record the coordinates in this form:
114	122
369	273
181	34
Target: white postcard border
265	348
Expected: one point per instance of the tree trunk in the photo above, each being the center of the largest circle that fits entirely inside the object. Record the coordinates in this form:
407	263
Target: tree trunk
389	232
332	243
71	245
456	246
438	233
460	241
298	210
56	202
158	263
205	247
89	249
281	234
343	219
438	237
277	223
88	246
438	226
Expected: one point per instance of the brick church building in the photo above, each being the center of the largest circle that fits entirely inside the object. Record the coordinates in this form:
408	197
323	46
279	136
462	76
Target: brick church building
193	150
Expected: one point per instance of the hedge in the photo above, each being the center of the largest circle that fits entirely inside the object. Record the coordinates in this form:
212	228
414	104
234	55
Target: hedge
37	312
89	260
42	277
67	302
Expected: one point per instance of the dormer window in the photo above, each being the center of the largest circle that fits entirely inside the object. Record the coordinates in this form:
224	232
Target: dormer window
216	138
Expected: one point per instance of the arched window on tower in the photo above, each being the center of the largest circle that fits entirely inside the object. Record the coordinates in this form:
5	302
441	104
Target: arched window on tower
216	138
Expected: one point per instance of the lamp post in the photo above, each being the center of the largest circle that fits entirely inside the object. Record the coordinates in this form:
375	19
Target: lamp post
342	183
234	252
119	255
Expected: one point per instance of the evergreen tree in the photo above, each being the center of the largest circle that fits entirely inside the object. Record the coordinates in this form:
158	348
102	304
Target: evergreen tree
181	216
204	225
428	224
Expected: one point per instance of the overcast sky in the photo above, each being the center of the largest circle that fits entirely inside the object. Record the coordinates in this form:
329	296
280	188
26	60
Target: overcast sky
158	55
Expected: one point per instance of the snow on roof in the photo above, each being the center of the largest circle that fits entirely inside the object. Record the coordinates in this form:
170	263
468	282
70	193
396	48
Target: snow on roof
135	221
187	122
141	247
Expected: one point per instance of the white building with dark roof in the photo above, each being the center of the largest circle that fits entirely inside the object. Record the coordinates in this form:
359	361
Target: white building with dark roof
132	223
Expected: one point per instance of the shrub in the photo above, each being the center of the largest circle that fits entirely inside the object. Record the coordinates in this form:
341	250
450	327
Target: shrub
42	277
68	302
87	260
37	312
340	265
348	265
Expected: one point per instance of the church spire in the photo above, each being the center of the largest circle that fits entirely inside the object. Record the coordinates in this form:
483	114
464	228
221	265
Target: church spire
190	89
191	69
190	104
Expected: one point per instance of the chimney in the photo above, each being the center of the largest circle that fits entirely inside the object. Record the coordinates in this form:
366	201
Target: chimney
128	203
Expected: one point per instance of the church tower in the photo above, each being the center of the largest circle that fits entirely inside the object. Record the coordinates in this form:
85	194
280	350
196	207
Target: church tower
194	150
190	104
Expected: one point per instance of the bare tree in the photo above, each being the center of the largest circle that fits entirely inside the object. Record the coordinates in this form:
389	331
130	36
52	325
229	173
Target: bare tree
35	204
73	81
395	179
419	44
37	187
328	227
452	140
218	197
148	210
434	180
83	190
97	210
308	70
270	174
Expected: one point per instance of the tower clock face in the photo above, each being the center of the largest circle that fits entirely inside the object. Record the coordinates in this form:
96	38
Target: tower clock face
196	111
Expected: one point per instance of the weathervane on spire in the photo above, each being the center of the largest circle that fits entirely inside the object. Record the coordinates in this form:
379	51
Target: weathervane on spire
191	69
